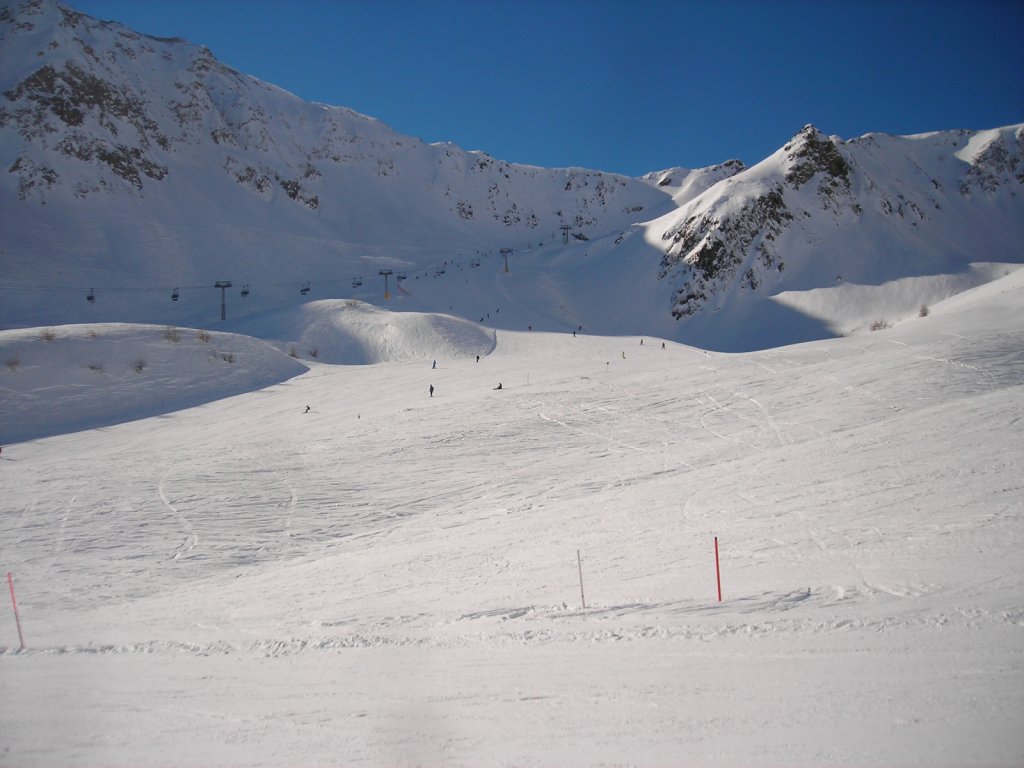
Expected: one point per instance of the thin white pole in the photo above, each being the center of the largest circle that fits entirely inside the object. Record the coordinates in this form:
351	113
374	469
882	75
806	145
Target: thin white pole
10	583
579	565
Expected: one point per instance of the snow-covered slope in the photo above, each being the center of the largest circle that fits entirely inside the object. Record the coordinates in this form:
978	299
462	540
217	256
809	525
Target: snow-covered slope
392	578
140	168
135	163
353	333
823	215
68	378
288	539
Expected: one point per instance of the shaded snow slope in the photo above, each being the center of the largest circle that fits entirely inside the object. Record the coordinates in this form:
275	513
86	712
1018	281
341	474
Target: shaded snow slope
68	378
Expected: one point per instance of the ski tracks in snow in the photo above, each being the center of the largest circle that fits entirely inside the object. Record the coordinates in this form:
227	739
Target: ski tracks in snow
191	538
190	525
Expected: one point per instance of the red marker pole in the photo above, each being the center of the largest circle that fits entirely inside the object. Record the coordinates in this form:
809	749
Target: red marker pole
718	571
10	583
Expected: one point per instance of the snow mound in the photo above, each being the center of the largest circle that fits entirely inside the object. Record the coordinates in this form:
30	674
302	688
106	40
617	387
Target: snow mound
69	378
350	332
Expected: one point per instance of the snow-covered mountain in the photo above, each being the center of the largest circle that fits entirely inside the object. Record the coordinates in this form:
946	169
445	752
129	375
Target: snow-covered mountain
150	158
821	219
139	168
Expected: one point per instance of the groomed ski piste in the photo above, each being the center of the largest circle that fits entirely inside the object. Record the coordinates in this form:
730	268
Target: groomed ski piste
394	578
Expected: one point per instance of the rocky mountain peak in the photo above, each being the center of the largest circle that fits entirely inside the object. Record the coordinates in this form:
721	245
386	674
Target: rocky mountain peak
809	153
761	228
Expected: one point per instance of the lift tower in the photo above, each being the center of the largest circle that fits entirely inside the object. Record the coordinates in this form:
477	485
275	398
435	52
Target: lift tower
223	285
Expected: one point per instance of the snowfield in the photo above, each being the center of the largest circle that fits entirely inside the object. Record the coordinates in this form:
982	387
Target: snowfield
263	504
392	578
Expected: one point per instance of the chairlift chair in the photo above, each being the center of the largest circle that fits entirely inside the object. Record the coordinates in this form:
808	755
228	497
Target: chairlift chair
91	297
245	290
174	295
304	289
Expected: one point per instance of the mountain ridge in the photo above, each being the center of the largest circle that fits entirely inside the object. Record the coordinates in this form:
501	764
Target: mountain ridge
142	164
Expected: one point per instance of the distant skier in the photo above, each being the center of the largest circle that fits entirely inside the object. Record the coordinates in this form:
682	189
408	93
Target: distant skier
307	409
641	342
478	358
434	365
663	345
499	385
431	390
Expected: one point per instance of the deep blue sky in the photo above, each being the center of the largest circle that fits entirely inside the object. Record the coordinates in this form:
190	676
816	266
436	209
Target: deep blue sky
630	86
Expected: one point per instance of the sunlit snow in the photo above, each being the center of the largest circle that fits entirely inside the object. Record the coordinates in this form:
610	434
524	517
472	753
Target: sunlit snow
391	578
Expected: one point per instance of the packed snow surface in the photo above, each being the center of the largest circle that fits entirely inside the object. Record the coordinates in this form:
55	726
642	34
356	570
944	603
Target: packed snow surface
394	578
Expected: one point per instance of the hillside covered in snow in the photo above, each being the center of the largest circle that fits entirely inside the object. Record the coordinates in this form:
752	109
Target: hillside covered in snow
137	169
293	562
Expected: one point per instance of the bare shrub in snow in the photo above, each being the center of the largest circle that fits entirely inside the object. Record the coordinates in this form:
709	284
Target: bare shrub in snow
13	363
48	334
95	367
227	357
139	365
314	352
880	325
923	312
171	334
204	337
